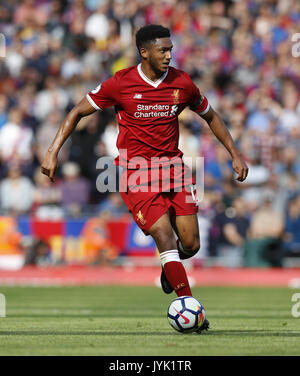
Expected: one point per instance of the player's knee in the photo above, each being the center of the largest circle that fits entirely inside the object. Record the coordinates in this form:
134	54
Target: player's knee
191	246
164	240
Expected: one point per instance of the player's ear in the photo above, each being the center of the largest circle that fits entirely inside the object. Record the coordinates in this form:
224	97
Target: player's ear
144	52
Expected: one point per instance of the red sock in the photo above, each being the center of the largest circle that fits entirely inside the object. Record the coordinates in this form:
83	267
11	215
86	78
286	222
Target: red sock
175	273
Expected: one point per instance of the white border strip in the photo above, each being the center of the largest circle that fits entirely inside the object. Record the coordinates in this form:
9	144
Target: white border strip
205	111
93	103
150	82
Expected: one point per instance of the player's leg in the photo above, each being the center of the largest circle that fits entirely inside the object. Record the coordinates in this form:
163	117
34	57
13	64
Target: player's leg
150	211
188	242
187	230
183	210
163	235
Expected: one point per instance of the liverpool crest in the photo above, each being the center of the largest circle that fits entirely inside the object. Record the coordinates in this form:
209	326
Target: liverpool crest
175	96
140	218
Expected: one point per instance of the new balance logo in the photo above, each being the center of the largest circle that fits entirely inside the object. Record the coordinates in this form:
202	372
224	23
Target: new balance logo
137	96
173	110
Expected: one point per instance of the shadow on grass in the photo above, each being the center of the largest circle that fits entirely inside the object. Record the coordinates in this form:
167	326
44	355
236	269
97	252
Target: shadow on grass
244	333
79	316
82	333
255	333
128	315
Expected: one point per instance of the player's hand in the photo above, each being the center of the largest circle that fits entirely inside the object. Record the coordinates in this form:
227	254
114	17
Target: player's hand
49	165
240	167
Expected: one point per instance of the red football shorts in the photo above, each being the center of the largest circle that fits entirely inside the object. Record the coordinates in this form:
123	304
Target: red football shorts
147	207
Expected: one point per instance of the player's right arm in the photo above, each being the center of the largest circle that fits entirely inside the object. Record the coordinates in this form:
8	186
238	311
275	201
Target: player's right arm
200	105
49	164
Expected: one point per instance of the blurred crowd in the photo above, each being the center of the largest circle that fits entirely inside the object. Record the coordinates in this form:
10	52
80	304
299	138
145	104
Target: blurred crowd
239	53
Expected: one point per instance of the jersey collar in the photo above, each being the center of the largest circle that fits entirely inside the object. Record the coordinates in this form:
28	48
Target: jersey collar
150	82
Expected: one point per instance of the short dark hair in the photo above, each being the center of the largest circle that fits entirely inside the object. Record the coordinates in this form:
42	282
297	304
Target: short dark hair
149	33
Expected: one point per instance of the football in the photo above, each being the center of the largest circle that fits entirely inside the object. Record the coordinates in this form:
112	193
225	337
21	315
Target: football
186	314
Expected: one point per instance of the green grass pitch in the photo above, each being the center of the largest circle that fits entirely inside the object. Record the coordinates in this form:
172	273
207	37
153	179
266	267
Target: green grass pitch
121	320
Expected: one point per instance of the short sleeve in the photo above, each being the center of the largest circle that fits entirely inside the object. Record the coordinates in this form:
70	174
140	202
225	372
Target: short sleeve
197	102
104	95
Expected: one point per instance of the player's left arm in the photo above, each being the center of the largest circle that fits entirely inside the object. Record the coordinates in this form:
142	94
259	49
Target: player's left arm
219	129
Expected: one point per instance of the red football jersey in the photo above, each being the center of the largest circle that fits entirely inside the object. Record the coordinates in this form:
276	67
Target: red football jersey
148	111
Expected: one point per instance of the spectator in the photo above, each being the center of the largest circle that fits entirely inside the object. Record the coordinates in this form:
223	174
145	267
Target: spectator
109	138
188	144
292	228
263	247
97	25
98	247
10	238
15	139
46	132
46	198
74	189
289	161
52	96
16	192
289	118
71	66
235	230
113	206
39	254
3	110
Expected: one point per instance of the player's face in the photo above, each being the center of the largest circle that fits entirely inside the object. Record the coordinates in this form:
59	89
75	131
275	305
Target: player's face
159	54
